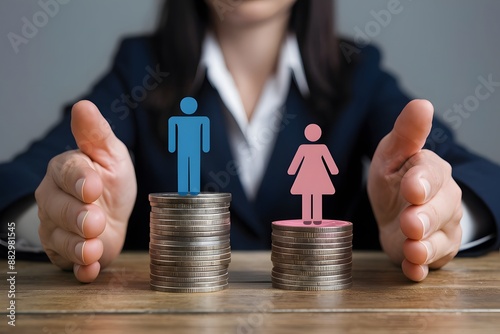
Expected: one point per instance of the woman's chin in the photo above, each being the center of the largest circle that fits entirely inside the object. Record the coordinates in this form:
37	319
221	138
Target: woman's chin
249	12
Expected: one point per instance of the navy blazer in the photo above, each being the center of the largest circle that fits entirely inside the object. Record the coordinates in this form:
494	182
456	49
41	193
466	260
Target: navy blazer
368	116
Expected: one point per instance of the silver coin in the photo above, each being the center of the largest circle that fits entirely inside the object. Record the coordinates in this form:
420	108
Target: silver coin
169	241
325	251
162	288
190	258
293	234
184	222
186	263
298	273
303	257
188	274
313	228
311	240
204	269
189	252
178	228
188	284
204	197
311	283
189	240
327	278
167	244
197	211
306	267
202	228
311	261
312	245
189	216
190	234
161	255
312	288
175	279
187	281
212	246
182	206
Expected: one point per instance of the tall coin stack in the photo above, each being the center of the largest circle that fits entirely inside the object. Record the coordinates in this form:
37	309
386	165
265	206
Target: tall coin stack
189	244
312	257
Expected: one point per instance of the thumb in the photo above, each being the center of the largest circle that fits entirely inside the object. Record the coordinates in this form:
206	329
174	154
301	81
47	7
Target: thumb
408	136
93	134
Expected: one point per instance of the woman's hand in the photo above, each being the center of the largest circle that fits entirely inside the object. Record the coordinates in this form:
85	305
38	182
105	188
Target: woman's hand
86	197
416	202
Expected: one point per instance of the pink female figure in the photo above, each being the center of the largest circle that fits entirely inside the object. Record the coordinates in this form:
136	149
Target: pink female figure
313	180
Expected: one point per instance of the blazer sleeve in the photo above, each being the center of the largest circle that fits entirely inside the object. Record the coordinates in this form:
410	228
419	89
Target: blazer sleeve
476	175
113	95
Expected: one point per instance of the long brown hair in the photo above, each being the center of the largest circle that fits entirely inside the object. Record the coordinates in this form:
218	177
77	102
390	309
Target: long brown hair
178	42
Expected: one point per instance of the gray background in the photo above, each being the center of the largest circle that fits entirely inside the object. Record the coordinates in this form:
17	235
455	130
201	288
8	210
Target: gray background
437	48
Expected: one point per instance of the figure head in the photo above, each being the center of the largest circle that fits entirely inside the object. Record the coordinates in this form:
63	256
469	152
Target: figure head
189	105
312	132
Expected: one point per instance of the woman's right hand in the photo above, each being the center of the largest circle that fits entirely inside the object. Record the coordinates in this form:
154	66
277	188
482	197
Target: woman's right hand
86	197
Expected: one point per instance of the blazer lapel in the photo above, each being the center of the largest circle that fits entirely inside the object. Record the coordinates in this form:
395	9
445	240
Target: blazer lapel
218	172
274	201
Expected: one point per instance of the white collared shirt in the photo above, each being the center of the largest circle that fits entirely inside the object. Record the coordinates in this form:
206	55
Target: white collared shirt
252	141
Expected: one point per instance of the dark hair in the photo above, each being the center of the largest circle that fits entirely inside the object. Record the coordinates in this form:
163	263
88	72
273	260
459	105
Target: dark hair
178	42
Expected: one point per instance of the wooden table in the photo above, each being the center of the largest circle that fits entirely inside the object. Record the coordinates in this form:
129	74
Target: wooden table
463	297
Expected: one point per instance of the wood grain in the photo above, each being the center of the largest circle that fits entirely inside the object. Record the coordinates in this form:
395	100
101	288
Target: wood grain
276	323
463	295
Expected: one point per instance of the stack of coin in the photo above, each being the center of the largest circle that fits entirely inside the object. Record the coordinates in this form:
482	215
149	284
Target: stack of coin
312	257
189	242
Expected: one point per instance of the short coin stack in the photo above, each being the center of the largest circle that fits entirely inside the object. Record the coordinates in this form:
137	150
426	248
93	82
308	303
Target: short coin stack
312	257
189	244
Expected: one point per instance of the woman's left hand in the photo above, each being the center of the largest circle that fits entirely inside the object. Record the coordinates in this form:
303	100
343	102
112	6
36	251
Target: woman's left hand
417	203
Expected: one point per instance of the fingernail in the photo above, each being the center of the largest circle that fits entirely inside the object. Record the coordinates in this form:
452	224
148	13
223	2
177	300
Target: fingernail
423	270
80	220
79	187
76	267
427	187
426	224
429	248
79	250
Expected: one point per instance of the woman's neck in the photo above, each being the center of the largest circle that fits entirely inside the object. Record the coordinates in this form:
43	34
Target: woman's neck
251	54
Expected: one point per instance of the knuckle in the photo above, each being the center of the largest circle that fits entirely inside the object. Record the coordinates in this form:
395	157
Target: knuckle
38	192
55	164
434	213
43	234
458	214
65	251
457	198
446	166
64	213
62	167
42	216
60	243
458	237
41	191
66	172
418	158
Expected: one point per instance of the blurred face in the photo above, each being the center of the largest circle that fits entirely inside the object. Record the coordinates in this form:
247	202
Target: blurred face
248	12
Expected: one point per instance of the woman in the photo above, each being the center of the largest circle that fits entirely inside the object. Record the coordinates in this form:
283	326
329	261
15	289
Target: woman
312	165
261	71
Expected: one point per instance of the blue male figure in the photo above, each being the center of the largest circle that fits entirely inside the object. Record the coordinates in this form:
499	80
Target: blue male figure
187	134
